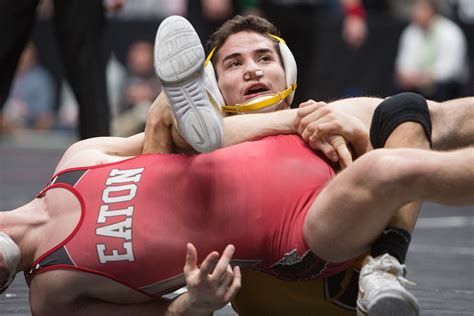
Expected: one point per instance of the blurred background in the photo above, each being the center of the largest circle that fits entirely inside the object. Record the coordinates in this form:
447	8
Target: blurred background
343	48
100	52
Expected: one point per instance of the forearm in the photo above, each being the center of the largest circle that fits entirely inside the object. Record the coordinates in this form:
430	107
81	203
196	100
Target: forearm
183	306
361	107
453	125
241	128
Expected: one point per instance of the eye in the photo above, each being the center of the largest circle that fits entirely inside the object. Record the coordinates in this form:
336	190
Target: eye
233	64
265	58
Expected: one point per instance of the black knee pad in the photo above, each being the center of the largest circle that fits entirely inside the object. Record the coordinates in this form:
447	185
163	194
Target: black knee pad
395	110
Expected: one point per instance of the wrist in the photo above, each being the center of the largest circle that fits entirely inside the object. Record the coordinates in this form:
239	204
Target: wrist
361	142
186	305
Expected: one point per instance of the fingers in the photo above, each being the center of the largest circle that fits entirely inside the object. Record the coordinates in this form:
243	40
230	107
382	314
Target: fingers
310	114
340	146
223	263
208	265
214	283
326	148
191	259
309	102
235	286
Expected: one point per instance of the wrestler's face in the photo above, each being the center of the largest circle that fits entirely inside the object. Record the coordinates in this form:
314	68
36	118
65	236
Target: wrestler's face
238	60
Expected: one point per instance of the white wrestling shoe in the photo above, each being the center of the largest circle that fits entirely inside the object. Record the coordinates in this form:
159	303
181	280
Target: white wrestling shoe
179	64
382	289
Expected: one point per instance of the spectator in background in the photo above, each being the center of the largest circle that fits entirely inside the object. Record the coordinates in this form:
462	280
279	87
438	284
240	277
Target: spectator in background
432	54
208	15
297	21
32	95
140	90
79	29
150	9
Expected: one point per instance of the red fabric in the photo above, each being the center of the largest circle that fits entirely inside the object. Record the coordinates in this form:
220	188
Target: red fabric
254	195
355	10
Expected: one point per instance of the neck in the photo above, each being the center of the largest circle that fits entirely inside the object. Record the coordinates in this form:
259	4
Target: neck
23	225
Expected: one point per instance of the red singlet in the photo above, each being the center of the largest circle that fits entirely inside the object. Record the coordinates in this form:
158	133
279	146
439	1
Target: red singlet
138	214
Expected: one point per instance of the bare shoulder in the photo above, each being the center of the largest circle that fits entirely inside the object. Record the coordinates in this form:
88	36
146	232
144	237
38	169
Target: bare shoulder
100	150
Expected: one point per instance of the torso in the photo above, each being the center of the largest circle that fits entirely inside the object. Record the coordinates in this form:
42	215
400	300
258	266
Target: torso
211	200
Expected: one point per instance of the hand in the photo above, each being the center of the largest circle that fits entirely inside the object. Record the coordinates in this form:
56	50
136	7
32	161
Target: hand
212	285
161	131
324	128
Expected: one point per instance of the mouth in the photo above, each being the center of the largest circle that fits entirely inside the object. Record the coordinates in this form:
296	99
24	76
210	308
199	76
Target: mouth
255	90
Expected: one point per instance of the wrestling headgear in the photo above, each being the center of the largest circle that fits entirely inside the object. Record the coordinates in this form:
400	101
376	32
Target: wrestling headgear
11	255
266	103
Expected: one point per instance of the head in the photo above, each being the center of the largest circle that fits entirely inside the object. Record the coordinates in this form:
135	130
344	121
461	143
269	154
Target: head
423	12
9	261
251	66
140	58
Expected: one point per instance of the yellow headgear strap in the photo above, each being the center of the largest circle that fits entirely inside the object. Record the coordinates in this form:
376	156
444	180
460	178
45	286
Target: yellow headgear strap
240	108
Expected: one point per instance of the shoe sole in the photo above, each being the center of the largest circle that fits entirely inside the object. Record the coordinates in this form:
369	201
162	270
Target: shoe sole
179	64
391	304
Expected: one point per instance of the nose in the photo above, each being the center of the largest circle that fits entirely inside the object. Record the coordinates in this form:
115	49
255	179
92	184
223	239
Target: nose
252	71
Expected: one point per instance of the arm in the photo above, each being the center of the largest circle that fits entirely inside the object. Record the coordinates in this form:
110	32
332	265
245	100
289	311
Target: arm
87	306
96	150
210	287
241	128
453	125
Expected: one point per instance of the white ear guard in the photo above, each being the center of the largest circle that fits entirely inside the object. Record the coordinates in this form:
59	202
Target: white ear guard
11	255
217	99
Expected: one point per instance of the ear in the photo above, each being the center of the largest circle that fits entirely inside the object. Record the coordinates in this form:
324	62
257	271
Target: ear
211	86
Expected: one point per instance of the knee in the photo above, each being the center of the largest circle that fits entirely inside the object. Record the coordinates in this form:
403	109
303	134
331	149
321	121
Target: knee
396	110
394	169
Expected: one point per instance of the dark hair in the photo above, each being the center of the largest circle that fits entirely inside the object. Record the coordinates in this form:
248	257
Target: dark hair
250	23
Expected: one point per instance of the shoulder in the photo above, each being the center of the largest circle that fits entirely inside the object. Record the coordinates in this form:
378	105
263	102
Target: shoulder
53	292
100	150
83	153
411	37
449	29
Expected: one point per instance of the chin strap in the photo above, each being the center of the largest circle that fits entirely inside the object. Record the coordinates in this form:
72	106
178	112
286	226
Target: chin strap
242	108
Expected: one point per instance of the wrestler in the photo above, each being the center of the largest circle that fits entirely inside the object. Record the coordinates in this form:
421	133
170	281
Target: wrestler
117	226
361	108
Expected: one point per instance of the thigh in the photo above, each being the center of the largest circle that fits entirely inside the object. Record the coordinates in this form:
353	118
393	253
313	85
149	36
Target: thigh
353	209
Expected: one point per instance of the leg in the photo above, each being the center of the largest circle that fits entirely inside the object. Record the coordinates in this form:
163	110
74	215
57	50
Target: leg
80	31
402	120
161	130
179	64
16	21
361	201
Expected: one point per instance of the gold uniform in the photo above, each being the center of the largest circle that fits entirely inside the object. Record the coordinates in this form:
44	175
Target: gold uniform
263	294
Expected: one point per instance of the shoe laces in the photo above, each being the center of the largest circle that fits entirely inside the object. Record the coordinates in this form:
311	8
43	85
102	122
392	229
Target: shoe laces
387	264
